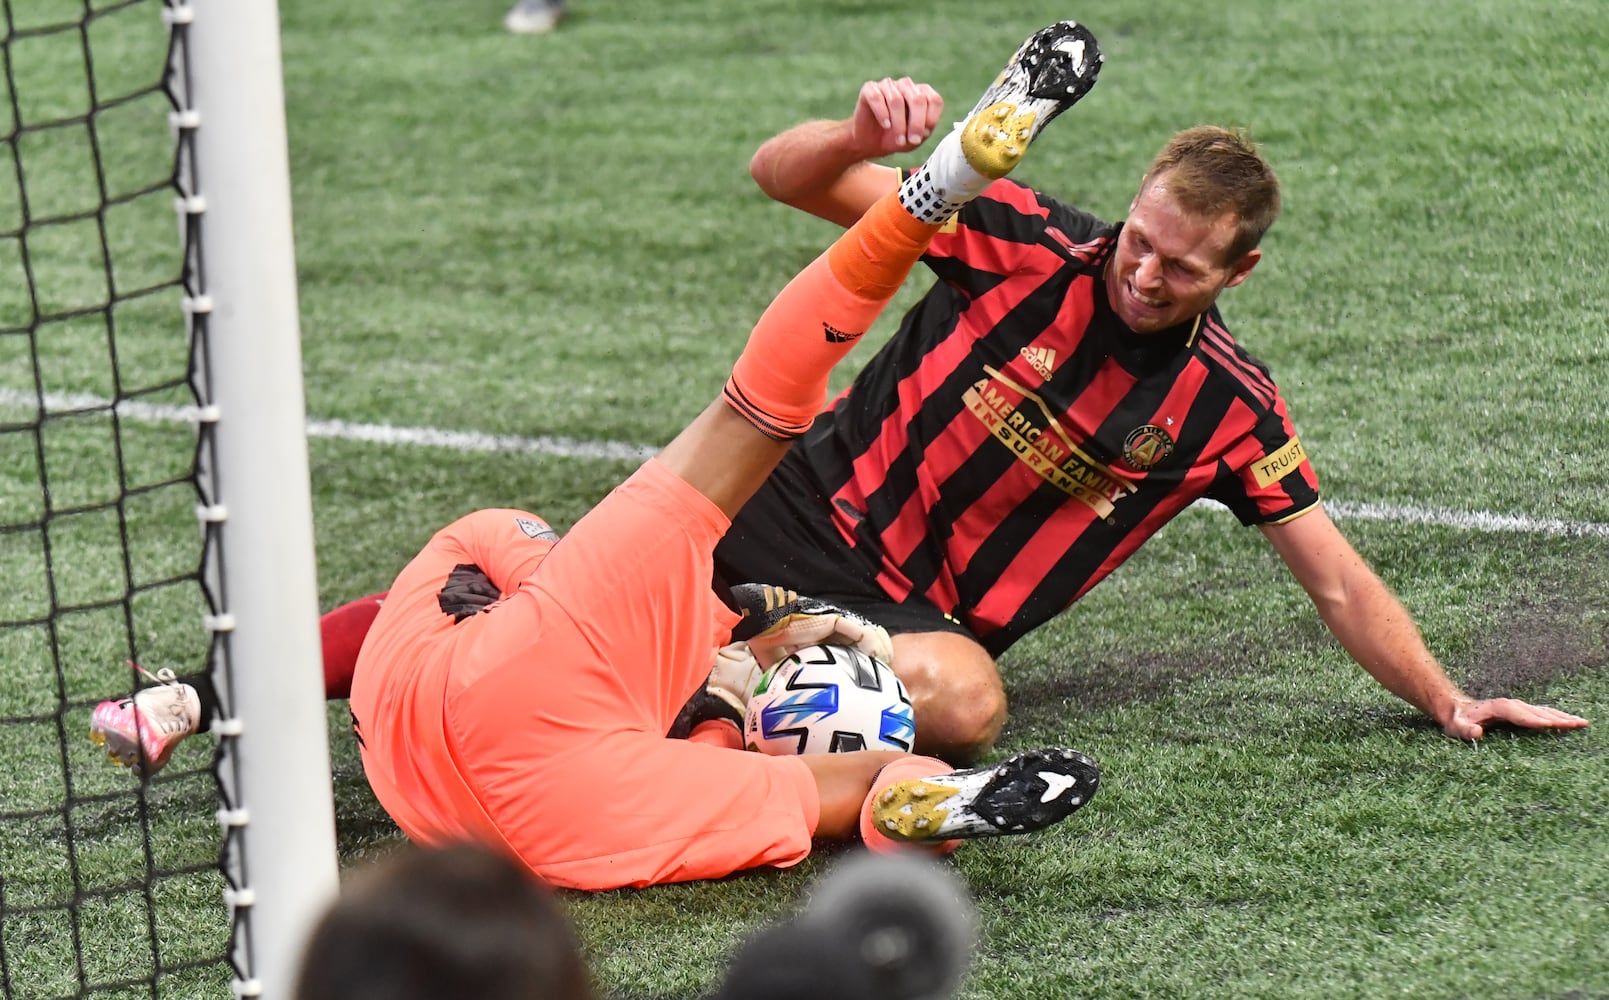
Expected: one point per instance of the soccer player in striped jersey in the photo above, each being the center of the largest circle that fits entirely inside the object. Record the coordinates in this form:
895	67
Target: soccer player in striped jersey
1066	387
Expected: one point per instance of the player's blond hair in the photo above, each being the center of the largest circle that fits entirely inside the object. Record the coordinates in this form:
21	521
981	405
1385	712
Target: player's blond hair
1211	170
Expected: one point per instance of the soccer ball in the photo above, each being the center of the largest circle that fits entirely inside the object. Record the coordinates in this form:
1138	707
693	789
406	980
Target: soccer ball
829	699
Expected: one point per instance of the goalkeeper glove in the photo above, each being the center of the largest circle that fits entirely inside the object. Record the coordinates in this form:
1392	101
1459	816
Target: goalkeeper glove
725	694
468	591
777	623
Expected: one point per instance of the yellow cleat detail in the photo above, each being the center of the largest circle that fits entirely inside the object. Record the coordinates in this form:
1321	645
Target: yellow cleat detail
995	139
912	810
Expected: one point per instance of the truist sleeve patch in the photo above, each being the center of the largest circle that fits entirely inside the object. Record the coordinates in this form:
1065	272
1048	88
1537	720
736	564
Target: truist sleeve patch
1281	463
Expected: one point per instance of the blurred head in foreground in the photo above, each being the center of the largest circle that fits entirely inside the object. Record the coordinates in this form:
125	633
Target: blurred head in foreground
430	923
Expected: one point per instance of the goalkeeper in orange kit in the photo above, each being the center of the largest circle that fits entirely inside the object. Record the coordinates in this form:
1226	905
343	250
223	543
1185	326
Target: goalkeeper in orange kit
538	725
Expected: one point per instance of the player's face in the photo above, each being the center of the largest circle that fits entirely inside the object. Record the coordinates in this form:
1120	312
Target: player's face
1170	265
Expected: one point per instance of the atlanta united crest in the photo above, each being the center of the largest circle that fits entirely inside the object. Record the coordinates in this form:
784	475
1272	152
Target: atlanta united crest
1146	446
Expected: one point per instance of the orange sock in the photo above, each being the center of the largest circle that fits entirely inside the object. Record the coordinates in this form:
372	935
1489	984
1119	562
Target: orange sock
779	383
717	733
904	769
874	256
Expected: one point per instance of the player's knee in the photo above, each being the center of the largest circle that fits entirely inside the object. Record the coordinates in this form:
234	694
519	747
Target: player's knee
962	726
955	689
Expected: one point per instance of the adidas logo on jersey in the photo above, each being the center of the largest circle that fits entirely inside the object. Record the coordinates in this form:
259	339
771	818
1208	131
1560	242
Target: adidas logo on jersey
1041	360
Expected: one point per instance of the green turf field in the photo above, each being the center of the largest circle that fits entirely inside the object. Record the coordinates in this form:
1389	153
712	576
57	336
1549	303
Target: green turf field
557	237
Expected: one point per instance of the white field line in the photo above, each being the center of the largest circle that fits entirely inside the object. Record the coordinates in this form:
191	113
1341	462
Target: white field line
567	447
1442	517
1477	520
424	437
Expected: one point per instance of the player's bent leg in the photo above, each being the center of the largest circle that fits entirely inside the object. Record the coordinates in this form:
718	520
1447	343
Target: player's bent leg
956	694
779	382
723	456
636	809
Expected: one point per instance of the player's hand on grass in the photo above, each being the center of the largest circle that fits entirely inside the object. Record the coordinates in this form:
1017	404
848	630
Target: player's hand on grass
894	116
468	591
1471	717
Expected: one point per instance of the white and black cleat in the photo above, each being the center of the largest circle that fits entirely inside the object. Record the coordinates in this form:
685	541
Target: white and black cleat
1049	73
1027	791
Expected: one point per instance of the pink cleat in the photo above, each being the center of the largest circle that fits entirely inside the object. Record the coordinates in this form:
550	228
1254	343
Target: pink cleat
141	732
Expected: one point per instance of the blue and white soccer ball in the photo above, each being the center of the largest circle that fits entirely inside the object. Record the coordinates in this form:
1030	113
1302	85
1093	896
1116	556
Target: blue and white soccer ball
829	699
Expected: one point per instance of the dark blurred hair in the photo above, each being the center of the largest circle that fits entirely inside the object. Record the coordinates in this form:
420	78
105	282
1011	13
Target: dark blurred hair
440	923
1211	170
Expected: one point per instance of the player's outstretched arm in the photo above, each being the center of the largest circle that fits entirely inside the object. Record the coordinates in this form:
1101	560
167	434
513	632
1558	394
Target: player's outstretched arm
825	168
1374	627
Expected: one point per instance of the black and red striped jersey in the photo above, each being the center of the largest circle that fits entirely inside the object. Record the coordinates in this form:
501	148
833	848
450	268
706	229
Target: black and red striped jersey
1014	442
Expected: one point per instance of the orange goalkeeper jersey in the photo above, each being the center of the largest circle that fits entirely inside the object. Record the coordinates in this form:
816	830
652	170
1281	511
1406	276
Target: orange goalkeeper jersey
538	724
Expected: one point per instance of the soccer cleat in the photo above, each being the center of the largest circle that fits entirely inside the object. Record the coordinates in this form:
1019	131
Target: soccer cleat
141	732
534	17
1048	74
1025	792
777	622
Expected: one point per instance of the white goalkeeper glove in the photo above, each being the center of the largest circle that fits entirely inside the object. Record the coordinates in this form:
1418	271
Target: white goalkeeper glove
778	622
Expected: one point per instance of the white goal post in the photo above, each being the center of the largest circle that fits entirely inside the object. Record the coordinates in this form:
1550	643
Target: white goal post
274	763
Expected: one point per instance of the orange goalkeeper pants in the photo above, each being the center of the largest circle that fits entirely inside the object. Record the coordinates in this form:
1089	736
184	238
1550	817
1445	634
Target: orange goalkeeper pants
539	725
